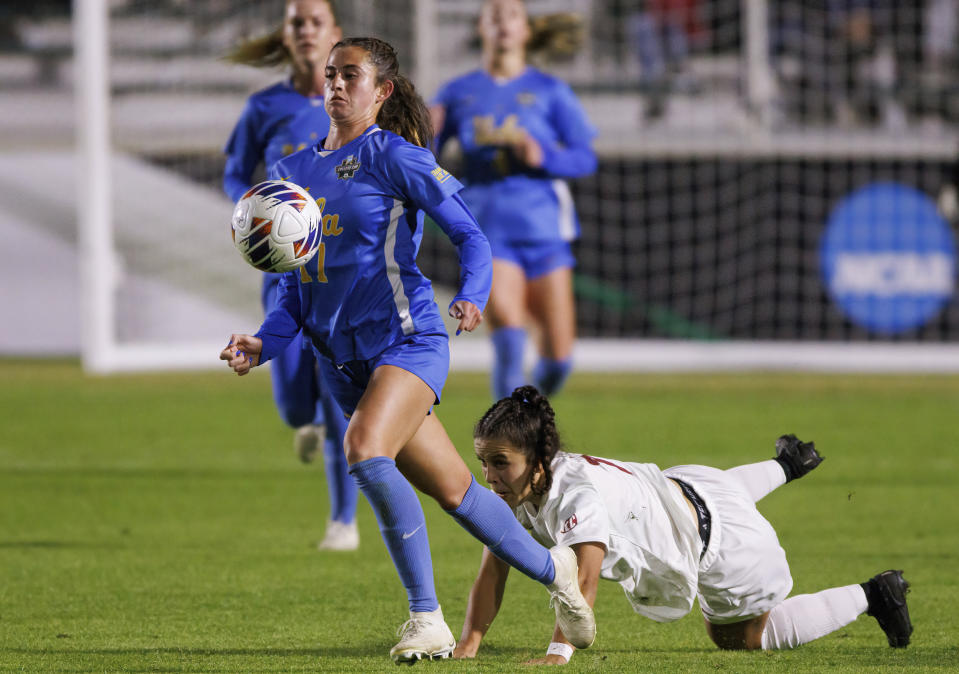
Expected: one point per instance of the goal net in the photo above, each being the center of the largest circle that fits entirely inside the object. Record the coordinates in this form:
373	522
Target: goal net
768	192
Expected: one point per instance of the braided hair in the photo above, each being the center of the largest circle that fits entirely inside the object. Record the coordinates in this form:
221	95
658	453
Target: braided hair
525	421
404	112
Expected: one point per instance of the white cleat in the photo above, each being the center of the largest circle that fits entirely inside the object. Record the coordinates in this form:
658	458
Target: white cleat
425	636
573	614
340	536
308	440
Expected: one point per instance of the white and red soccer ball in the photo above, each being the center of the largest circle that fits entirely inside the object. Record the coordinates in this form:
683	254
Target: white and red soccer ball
277	226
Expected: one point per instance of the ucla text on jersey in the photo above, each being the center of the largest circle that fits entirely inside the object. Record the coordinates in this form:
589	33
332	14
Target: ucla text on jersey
363	290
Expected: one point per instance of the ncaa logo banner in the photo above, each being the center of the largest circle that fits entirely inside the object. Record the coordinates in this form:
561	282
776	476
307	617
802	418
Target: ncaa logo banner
888	258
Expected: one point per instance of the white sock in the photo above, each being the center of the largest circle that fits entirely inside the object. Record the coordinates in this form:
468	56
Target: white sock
760	478
805	617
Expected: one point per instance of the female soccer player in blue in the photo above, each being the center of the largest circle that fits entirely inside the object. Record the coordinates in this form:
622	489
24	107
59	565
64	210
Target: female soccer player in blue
277	121
521	132
370	313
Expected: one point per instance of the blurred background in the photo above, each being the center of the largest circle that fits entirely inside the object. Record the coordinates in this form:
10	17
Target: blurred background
772	172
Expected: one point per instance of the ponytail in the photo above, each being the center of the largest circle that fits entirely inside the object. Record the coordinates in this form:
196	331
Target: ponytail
265	51
555	37
404	113
552	37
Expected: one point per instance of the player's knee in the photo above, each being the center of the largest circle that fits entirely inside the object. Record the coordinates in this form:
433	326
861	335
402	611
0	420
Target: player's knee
358	445
736	643
741	636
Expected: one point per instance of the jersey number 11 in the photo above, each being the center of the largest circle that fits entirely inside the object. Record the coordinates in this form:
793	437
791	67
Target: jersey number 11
320	266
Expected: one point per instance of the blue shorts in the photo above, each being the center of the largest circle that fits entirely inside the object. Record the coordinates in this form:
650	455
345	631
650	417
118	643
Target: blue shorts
536	258
426	355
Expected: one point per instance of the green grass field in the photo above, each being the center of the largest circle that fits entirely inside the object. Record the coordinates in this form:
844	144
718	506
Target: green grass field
161	523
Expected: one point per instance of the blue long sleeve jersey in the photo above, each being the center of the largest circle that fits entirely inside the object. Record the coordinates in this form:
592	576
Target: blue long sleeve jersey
512	201
275	122
362	291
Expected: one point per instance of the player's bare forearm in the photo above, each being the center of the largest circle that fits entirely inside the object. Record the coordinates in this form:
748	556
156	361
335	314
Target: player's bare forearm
485	598
589	558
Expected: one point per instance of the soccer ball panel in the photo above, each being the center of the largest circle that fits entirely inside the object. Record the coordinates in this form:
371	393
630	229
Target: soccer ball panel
276	226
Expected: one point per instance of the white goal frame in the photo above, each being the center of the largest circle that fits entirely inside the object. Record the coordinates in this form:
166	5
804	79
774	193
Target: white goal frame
101	351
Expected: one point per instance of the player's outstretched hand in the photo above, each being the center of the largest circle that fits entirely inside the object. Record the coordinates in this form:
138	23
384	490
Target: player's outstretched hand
242	353
462	652
468	314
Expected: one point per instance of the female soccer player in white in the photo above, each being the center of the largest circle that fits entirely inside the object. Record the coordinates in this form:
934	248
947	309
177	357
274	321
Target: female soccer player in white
383	347
522	133
667	537
275	122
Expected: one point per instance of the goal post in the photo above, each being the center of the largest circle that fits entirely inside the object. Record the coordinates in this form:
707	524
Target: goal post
94	207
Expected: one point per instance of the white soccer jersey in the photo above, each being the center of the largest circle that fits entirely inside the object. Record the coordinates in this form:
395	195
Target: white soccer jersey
650	534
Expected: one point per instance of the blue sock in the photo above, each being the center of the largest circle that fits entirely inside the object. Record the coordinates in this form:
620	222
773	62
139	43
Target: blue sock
549	375
488	518
343	492
508	347
402	525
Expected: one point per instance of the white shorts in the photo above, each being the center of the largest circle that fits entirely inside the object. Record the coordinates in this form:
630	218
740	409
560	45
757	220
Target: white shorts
744	571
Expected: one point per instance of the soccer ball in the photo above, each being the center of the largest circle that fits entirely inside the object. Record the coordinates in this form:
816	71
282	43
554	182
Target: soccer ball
277	226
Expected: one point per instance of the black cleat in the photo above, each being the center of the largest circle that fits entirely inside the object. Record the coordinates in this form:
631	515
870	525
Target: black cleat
886	594
795	456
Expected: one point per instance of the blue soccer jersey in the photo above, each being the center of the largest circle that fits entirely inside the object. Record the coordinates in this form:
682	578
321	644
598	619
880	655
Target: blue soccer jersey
362	291
513	202
276	121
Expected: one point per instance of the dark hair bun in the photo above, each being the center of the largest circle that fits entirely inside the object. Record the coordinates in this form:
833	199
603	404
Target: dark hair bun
528	395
